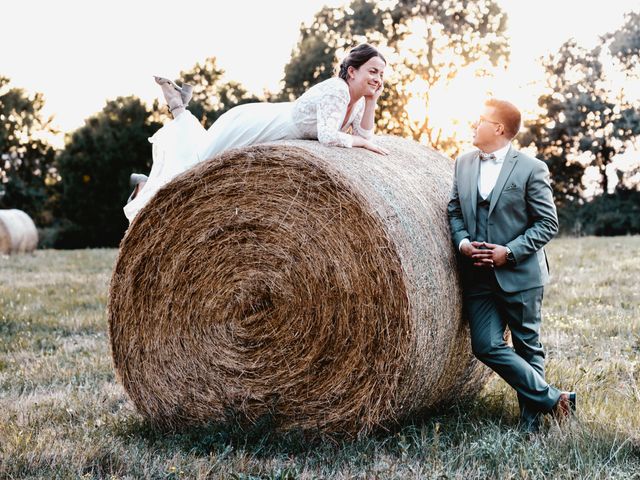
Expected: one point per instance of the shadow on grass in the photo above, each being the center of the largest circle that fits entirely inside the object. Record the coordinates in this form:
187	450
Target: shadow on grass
453	425
472	439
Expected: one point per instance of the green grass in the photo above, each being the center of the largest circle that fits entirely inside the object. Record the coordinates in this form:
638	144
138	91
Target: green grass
63	415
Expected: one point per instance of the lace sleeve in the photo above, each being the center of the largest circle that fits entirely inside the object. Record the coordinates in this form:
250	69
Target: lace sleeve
330	115
357	129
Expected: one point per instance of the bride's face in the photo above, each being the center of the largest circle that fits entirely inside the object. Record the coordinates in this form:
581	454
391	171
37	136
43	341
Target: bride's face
368	78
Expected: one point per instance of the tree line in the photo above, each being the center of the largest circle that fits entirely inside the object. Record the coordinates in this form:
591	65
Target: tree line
76	195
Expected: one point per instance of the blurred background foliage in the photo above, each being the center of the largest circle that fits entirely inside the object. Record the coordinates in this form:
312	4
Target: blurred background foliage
75	194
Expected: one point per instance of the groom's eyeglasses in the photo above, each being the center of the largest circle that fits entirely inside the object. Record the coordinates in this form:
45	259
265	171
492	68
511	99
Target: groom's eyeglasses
485	119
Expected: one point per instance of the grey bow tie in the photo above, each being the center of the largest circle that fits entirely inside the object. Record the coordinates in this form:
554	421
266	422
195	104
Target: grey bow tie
487	156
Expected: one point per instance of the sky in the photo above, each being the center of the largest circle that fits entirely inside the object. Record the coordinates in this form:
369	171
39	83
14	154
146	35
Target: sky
81	53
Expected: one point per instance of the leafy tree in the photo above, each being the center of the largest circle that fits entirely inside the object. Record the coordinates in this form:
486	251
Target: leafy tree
27	173
95	168
314	57
99	157
616	213
587	119
624	44
212	95
454	34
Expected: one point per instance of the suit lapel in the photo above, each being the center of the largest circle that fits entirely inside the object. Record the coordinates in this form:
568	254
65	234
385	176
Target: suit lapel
509	162
472	187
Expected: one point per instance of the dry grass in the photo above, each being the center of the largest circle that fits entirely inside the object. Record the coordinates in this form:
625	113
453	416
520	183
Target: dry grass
62	415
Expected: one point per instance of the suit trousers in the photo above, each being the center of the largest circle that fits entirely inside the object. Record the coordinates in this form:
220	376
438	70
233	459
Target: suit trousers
490	310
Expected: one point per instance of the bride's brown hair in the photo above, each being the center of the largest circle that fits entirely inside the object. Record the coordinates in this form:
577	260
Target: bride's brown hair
357	57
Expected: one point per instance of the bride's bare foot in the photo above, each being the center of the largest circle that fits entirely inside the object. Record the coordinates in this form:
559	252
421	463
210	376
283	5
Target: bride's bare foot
172	95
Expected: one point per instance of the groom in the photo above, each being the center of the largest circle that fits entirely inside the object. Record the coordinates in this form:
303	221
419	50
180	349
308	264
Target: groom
501	214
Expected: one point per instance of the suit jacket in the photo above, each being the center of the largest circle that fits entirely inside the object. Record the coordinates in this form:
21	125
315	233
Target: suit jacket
522	216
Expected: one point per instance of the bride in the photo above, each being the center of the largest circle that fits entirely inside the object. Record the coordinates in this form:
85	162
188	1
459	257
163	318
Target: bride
325	112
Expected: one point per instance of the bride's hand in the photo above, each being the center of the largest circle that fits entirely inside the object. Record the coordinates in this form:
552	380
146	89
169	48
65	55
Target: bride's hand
370	146
377	93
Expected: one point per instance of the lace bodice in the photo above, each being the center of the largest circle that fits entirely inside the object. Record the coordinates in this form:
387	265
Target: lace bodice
320	111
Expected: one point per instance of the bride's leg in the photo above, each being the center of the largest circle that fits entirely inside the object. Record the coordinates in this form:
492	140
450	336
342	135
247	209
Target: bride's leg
172	96
177	111
175	147
176	100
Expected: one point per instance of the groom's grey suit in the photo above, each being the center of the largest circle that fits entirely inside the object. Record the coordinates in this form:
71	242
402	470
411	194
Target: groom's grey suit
519	213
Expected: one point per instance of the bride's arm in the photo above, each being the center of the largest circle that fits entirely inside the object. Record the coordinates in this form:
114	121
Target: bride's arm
330	113
369	145
363	120
329	116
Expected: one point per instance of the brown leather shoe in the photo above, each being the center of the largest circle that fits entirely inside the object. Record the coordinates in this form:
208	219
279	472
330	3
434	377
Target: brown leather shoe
565	407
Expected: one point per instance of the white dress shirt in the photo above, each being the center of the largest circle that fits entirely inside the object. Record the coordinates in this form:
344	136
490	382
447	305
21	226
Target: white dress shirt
489	171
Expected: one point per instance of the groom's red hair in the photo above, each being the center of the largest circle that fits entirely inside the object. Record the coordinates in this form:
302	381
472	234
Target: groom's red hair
507	114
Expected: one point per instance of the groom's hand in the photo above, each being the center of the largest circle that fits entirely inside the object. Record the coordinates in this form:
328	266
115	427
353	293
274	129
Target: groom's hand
481	256
498	254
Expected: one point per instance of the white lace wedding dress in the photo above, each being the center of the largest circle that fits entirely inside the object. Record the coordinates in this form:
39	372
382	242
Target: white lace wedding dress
317	114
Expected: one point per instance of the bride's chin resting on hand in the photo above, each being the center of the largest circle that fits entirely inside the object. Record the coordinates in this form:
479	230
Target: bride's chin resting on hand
364	143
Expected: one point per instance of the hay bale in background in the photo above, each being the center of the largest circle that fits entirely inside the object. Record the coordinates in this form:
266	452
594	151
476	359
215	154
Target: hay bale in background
316	284
18	233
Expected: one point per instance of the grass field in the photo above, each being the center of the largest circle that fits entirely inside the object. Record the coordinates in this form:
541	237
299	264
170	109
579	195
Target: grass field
62	414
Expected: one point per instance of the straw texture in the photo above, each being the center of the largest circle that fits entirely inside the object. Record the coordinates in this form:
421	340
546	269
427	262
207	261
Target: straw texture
314	284
18	233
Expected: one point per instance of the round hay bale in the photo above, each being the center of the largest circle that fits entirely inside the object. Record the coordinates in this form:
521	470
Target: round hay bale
314	285
18	233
